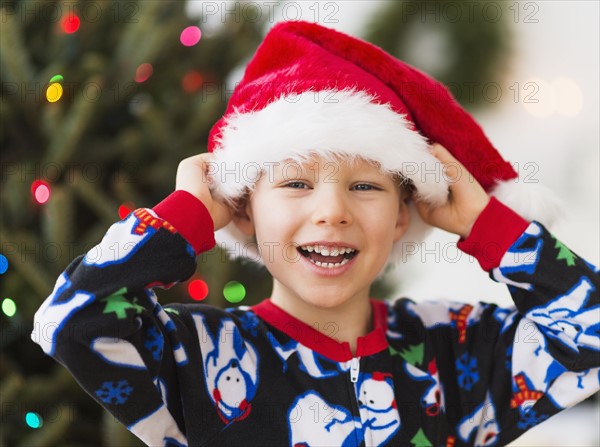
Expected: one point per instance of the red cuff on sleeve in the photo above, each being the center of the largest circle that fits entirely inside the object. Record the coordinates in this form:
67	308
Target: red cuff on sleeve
190	218
494	231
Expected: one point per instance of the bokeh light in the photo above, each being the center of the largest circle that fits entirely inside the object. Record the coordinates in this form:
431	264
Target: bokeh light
234	291
198	289
542	98
54	92
40	191
70	23
9	307
140	103
33	420
538	97
125	209
190	36
192	81
3	264
569	98
143	72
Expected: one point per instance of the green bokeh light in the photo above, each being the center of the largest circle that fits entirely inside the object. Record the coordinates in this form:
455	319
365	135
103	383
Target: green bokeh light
234	291
9	307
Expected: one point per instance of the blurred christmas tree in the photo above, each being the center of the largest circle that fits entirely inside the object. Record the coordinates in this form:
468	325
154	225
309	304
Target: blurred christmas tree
100	102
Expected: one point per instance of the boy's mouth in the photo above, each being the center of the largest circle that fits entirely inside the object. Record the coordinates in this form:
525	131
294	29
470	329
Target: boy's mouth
327	256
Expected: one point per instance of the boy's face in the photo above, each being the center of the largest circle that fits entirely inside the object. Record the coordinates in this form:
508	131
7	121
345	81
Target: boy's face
322	202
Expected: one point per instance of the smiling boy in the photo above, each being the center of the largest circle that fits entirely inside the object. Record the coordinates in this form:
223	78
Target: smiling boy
317	214
319	362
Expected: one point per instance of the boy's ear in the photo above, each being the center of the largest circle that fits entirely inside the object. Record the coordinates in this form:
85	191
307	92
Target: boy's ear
243	219
403	219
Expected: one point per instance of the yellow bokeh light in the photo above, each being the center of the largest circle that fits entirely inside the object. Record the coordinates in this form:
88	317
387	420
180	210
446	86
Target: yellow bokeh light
569	98
54	92
538	97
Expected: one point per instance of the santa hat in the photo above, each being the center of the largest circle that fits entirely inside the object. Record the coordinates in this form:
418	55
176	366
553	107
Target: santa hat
313	90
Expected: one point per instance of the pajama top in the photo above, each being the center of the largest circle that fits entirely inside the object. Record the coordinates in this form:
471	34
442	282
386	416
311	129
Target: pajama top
439	373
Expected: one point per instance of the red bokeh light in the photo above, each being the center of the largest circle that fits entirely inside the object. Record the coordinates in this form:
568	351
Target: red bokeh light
70	23
41	191
125	209
192	81
198	289
143	72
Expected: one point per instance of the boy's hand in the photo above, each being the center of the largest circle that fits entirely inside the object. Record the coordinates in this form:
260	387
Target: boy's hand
192	176
466	201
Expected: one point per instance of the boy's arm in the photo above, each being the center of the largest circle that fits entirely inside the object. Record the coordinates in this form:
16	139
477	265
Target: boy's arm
544	356
550	285
103	322
506	370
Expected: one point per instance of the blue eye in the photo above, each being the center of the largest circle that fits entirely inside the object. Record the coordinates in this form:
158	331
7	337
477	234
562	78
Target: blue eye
366	187
295	185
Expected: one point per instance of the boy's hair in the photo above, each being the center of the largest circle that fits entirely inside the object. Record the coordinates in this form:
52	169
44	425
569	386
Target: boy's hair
405	186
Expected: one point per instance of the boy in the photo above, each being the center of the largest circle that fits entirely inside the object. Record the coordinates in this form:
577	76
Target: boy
330	136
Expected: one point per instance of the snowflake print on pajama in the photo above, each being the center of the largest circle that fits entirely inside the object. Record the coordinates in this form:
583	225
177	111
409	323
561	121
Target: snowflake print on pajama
466	368
115	393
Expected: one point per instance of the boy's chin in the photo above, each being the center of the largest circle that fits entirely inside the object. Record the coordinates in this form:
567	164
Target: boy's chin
330	301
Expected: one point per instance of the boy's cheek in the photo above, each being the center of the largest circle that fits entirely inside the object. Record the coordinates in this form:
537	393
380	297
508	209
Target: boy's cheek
293	256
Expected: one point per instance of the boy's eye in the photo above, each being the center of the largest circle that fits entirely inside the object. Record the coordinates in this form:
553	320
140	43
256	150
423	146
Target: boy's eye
295	185
366	187
358	187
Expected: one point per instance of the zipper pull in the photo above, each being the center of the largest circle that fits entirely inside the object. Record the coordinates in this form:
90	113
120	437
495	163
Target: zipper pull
354	369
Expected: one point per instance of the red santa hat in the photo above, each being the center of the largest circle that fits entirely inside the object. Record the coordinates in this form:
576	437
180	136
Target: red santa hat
313	90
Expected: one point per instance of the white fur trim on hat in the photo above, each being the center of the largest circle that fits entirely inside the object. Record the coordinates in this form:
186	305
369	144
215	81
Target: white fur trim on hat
322	123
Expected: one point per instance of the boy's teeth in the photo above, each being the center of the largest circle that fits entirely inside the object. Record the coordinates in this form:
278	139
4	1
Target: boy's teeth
328	251
329	265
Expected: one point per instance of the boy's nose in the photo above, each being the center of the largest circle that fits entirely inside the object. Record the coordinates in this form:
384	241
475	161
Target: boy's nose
331	208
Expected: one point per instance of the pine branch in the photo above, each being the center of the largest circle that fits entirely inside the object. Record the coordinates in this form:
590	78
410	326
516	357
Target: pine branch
144	39
94	198
92	236
114	433
9	391
16	66
57	222
64	141
124	191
